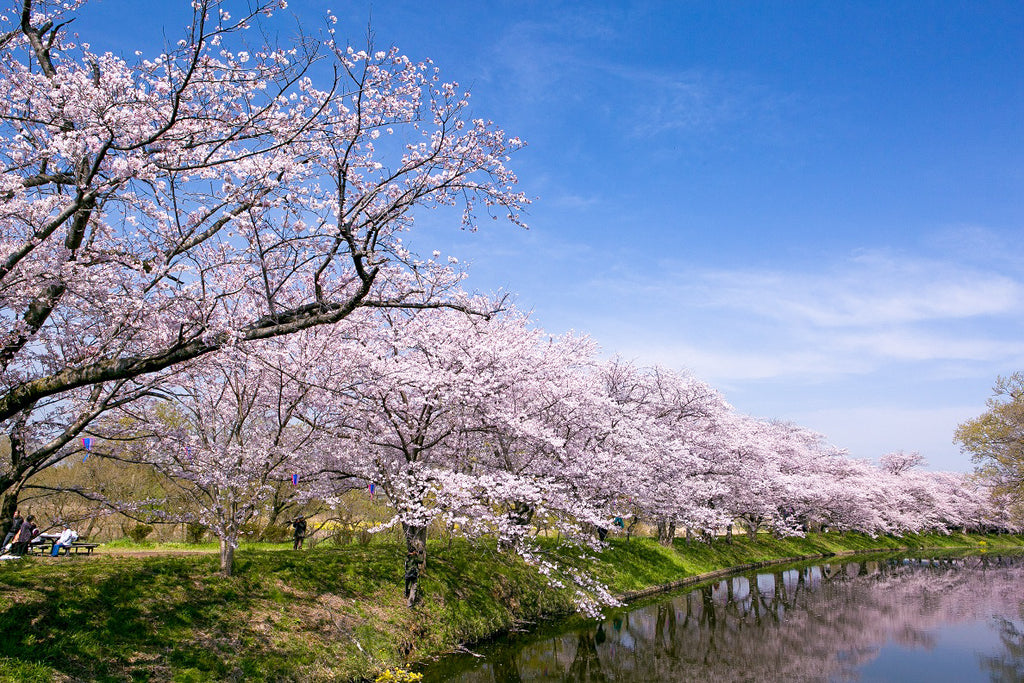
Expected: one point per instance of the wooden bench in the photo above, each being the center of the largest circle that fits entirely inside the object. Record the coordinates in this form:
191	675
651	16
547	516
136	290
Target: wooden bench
46	548
43	547
87	548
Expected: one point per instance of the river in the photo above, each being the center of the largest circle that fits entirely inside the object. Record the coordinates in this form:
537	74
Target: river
865	618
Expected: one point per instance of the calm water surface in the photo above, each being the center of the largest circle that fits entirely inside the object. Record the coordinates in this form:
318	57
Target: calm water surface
868	619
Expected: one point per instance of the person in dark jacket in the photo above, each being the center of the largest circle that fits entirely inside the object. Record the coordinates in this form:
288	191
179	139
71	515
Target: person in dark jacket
300	531
13	531
26	533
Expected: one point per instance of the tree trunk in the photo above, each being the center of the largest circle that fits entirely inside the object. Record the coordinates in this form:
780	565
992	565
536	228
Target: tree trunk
227	557
8	504
89	529
728	533
277	508
11	482
520	514
415	559
666	531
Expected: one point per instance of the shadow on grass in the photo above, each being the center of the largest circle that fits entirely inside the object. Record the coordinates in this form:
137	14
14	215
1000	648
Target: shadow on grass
99	622
158	618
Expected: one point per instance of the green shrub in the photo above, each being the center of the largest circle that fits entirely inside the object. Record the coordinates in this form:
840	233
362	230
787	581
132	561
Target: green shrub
139	532
194	532
341	536
276	533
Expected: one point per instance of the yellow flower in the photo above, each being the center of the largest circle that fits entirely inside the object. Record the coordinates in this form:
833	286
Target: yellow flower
398	676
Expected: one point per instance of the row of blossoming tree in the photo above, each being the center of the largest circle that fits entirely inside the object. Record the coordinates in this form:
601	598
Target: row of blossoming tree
489	427
202	270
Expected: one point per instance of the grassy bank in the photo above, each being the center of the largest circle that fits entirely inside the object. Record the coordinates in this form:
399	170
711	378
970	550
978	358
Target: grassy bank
325	614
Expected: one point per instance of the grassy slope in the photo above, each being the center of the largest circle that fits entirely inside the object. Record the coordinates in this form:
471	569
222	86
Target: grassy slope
326	614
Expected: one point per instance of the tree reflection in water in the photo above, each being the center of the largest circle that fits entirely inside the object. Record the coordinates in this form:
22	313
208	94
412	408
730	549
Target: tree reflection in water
808	623
1008	665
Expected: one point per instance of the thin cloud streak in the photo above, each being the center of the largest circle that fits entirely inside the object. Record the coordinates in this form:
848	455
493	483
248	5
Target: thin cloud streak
865	292
850	317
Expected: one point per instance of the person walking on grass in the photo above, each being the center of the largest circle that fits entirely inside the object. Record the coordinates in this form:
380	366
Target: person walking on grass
299	524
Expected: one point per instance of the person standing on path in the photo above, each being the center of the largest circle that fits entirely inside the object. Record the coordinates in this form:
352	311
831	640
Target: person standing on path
300	531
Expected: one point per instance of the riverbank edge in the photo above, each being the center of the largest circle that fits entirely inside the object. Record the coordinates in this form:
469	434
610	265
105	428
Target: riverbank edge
632	596
826	546
965	543
338	613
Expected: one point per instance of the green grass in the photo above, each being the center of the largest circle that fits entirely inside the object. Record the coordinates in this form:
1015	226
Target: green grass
206	546
328	613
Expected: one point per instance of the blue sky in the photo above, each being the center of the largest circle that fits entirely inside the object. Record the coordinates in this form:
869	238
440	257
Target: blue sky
815	207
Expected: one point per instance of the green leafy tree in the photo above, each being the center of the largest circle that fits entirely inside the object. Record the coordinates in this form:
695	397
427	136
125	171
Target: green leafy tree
995	440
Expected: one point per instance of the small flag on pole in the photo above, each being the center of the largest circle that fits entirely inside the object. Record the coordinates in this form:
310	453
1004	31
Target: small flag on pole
295	480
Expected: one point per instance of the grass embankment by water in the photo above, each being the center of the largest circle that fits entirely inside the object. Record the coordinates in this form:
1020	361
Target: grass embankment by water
328	613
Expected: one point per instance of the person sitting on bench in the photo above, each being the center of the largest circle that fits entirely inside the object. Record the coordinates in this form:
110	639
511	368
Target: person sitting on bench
67	537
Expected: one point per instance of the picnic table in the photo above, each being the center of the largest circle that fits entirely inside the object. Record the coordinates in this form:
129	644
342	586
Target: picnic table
43	544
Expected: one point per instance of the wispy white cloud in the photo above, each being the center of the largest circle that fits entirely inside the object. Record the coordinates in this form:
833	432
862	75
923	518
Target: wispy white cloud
851	316
700	101
560	63
726	363
980	245
868	290
575	201
916	345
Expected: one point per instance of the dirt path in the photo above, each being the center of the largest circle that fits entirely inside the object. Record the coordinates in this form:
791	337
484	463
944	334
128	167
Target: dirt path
119	552
137	552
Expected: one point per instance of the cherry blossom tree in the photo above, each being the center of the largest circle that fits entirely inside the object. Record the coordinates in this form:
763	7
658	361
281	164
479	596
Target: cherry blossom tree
848	495
672	454
962	501
226	435
756	485
541	428
909	503
806	462
898	462
400	417
159	209
457	419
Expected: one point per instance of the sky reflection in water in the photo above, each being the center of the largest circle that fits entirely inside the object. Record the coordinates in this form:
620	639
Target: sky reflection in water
953	619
